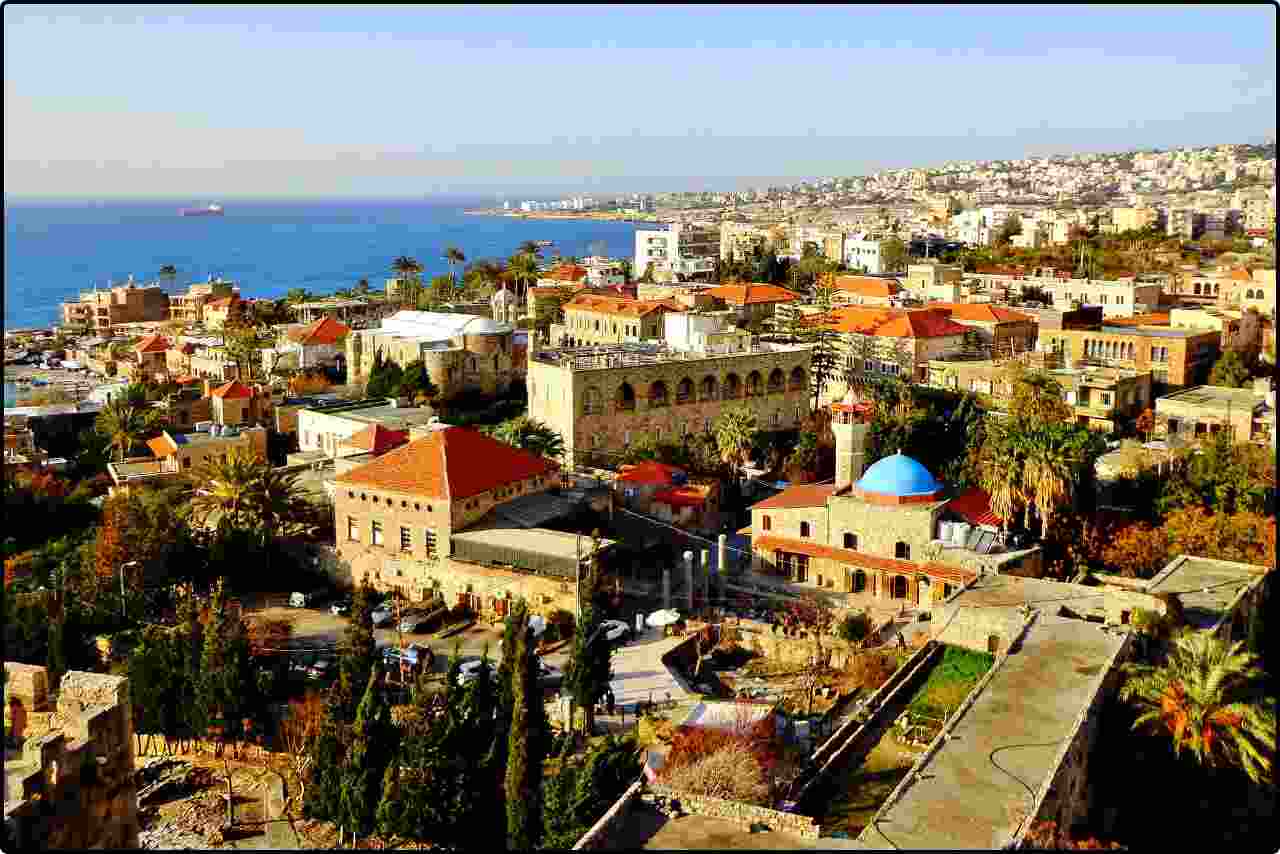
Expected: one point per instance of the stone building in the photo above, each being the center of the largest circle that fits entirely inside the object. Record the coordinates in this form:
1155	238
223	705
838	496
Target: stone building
755	304
603	399
223	310
891	342
408	503
462	352
176	454
151	354
69	782
188	308
1194	412
303	347
1175	357
99	310
1000	330
595	319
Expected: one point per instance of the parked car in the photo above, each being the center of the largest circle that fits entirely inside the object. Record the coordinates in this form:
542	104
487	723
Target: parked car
469	671
615	631
413	621
382	614
322	669
341	608
549	676
306	600
418	656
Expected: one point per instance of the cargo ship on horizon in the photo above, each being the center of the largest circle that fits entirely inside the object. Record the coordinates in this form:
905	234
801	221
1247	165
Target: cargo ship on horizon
210	210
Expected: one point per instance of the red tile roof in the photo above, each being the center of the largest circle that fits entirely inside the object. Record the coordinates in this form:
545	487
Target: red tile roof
801	495
377	439
326	330
152	344
233	389
649	472
893	323
568	273
451	463
949	574
619	305
163	445
752	294
975	506
867	286
980	311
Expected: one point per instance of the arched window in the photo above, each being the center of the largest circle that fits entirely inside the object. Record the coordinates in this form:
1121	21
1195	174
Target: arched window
777	418
754	384
859	581
804	529
797	379
658	394
591	402
709	388
898	588
626	397
851	541
732	387
902	550
1130	351
684	391
777	380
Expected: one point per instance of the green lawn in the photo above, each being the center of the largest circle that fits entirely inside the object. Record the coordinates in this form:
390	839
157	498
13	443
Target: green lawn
949	682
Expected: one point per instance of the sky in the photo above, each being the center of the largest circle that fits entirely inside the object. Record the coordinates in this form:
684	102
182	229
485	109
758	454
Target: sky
329	101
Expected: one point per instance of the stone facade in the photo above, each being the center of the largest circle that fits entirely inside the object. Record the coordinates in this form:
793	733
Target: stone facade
747	815
605	402
1175	357
589	319
72	784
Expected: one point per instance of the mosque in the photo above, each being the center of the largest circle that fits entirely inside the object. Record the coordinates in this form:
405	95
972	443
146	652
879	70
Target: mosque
891	536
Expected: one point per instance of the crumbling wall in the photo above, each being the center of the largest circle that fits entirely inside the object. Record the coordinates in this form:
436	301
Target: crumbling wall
73	786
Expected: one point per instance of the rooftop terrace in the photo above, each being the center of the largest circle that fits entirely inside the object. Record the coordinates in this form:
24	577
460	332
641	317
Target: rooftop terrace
629	355
1216	397
1206	587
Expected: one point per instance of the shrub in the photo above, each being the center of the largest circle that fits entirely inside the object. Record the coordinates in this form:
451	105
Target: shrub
854	627
871	669
732	773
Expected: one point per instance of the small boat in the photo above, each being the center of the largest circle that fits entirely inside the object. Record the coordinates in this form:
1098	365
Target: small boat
210	210
542	243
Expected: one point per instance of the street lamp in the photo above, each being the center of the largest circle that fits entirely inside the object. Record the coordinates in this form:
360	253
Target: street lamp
122	567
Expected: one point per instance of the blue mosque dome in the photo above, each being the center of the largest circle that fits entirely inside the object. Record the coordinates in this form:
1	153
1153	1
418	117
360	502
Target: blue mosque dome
898	475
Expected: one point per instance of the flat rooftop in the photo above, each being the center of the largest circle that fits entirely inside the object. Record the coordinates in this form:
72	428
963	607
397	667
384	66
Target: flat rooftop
1215	397
392	417
1156	332
540	540
1206	587
974	791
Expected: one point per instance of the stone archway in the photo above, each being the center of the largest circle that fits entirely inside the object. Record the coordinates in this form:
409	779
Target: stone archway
898	587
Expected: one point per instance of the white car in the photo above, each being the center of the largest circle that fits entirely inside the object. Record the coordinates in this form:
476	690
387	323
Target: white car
381	615
469	671
615	630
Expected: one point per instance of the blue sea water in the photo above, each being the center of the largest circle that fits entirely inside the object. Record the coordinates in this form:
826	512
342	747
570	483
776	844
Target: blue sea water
55	250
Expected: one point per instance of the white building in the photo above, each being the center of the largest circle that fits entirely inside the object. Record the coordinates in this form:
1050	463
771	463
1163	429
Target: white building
680	252
972	227
865	255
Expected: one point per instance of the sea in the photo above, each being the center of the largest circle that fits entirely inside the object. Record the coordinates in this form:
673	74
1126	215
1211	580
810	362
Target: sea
55	250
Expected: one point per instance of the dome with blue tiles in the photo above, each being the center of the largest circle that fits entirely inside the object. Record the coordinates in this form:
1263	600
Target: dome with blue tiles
898	475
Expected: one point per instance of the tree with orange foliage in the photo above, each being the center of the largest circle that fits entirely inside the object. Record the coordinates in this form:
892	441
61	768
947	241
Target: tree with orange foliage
1145	423
1136	551
1245	537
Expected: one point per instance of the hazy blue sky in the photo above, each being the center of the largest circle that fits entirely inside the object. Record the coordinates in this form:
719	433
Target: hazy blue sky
214	102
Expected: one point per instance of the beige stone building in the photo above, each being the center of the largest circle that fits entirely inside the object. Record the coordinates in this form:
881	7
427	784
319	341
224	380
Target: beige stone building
1175	357
188	308
596	319
1194	412
604	399
462	352
176	454
99	310
934	281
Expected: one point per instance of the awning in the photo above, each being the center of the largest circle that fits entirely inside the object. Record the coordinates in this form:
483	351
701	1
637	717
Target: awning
974	507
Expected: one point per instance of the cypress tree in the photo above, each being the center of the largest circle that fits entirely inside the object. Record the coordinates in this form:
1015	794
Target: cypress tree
372	746
525	744
359	650
323	799
212	696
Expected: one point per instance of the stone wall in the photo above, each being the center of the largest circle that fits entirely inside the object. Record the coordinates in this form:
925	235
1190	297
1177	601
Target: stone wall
1065	797
597	838
73	787
747	815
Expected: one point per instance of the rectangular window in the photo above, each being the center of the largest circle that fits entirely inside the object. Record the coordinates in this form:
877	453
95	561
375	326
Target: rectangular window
794	566
353	529
766	523
429	542
375	530
406	540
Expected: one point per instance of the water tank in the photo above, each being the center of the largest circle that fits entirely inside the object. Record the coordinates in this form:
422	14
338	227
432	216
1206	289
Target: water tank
960	533
944	531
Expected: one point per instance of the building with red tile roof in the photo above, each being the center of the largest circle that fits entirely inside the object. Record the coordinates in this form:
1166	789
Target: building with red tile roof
892	342
151	355
592	318
1003	330
326	330
864	290
755	303
664	492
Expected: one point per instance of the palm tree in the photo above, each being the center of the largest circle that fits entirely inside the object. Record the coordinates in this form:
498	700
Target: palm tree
279	506
126	421
454	255
225	490
530	248
531	435
1000	474
735	434
522	268
407	270
1047	474
1207	697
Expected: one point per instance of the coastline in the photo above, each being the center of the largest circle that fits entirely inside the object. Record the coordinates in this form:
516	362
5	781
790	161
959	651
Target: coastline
564	215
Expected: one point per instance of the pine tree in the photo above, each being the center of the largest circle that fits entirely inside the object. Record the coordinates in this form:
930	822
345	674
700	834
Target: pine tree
372	747
590	670
189	641
212	699
324	791
823	357
524	759
359	650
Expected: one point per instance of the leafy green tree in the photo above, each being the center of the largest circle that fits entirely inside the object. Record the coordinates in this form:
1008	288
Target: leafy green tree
416	383
531	435
385	378
1207	698
1230	371
524	759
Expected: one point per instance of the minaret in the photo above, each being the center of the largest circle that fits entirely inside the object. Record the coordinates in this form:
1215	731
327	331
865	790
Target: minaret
849	425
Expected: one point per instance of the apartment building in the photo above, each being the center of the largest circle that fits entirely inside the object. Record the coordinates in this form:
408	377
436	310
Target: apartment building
739	240
864	255
754	304
188	308
928	282
1134	219
1175	357
1118	298
1250	414
679	252
595	319
972	227
601	400
99	310
1002	330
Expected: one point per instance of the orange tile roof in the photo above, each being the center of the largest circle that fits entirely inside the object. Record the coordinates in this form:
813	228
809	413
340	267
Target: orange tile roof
752	294
377	439
892	323
649	472
326	330
975	507
233	389
684	496
950	574
868	286
980	311
163	445
451	463
152	344
568	273
1241	274
619	305
800	495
